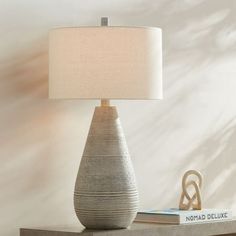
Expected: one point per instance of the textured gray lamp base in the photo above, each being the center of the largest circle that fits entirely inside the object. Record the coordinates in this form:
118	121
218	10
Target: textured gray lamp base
105	194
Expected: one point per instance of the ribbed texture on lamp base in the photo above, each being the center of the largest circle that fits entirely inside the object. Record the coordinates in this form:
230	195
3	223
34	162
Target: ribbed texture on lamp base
105	195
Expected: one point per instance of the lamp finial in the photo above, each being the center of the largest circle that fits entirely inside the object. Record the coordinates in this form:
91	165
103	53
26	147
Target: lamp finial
104	21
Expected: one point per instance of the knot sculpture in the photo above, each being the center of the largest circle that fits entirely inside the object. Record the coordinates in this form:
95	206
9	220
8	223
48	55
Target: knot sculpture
191	201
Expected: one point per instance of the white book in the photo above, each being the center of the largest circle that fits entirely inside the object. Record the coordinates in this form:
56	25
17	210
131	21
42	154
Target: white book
176	216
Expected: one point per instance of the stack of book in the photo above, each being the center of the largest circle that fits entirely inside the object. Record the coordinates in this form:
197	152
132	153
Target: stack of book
176	216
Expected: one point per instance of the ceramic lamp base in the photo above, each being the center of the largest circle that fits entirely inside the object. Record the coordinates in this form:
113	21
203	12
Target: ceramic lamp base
106	195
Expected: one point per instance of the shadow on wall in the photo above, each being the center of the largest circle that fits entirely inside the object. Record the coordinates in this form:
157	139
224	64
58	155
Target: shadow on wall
188	52
195	34
28	118
199	49
214	157
24	108
217	153
34	164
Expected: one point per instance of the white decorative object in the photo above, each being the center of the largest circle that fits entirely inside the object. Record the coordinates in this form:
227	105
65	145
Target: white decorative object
105	63
188	201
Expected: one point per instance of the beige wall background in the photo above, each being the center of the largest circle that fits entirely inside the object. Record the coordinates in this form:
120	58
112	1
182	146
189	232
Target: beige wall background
41	140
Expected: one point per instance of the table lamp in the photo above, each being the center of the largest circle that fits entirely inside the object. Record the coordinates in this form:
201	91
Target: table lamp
105	62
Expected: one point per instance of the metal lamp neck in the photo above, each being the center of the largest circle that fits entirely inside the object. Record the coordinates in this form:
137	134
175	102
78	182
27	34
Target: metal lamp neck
105	102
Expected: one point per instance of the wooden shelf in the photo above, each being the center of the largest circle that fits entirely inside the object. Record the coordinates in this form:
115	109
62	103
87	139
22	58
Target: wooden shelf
139	229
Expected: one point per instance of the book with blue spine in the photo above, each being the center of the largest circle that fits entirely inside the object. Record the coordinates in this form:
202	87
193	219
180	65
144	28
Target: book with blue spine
176	216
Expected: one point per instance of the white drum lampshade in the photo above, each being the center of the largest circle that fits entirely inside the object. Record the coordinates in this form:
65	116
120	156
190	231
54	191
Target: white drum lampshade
105	63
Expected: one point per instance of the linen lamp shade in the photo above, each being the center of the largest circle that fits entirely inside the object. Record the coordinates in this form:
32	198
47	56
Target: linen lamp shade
105	63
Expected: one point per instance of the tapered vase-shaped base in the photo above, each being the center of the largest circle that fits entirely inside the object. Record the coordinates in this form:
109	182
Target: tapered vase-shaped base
105	194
